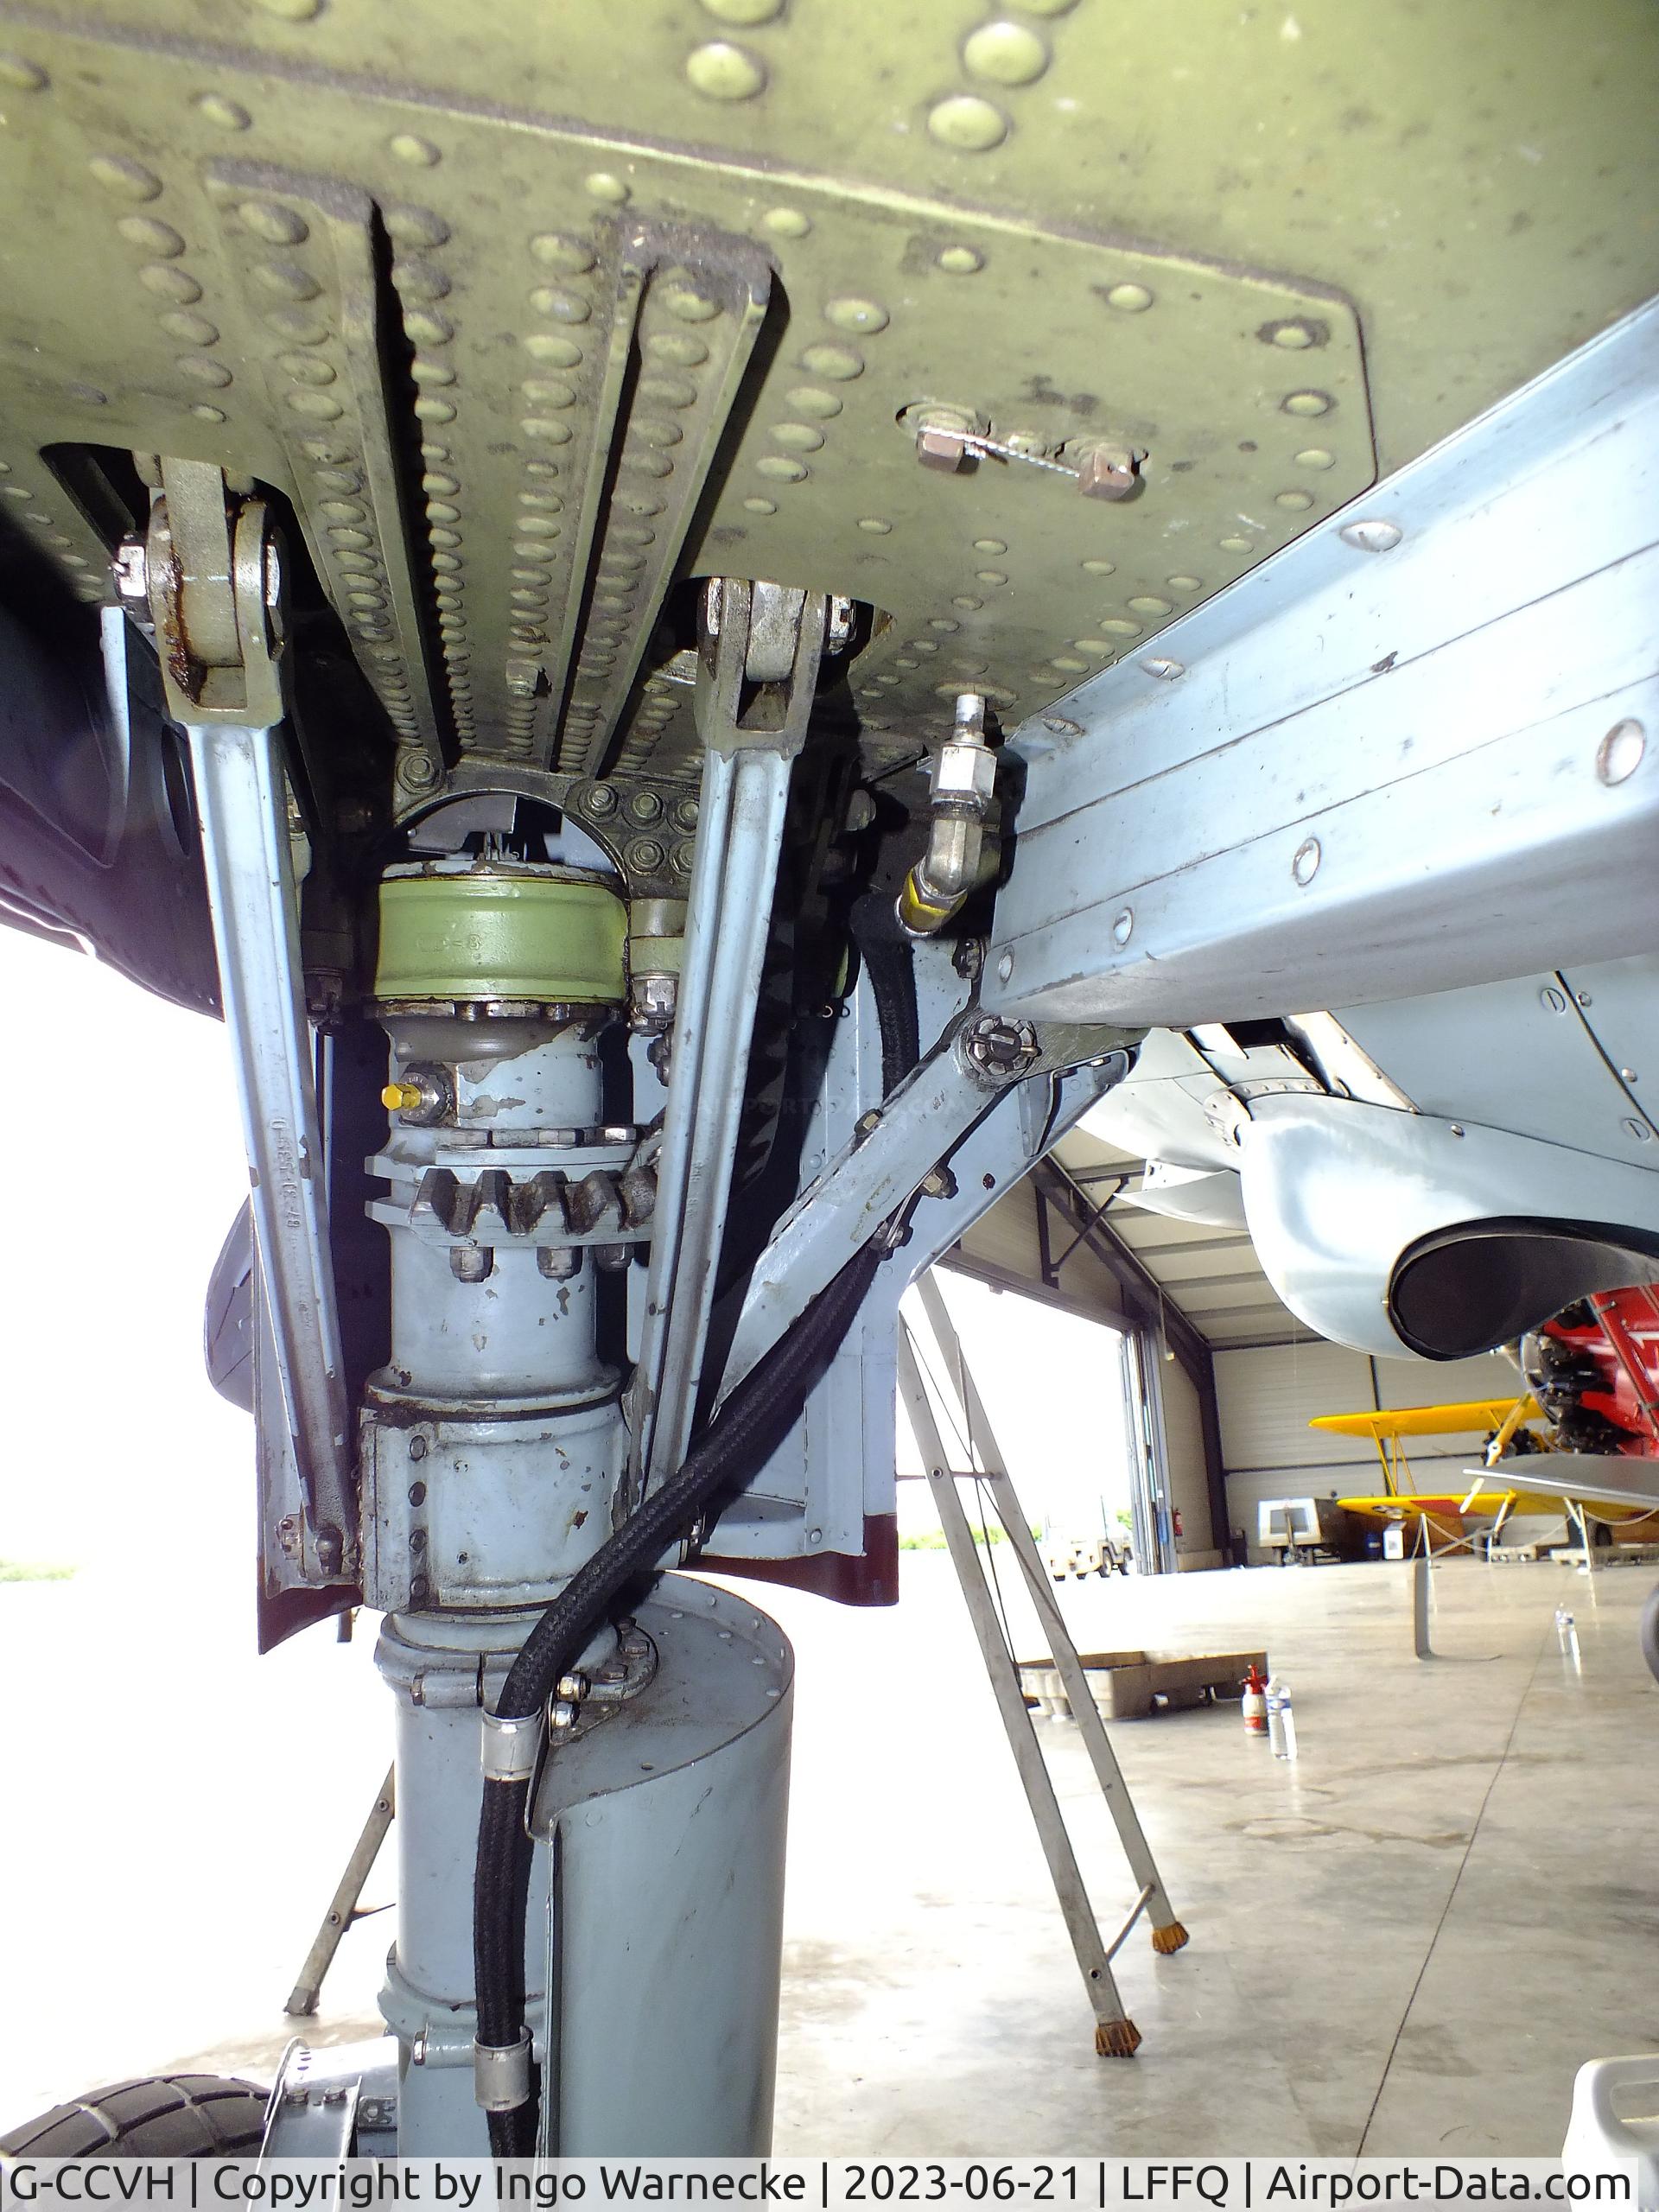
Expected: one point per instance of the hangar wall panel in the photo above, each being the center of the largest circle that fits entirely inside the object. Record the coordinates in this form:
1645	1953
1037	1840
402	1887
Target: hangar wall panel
1006	1237
1267	1396
1189	1488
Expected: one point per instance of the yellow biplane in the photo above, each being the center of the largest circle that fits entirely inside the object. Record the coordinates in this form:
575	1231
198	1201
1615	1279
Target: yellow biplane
1450	1521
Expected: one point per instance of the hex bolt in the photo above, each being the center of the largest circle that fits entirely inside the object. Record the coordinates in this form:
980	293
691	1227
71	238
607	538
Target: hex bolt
129	568
415	770
653	999
1109	472
941	449
601	801
561	1716
573	1688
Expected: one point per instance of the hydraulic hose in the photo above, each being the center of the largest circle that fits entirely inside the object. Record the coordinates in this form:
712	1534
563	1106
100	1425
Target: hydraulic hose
737	1443
890	964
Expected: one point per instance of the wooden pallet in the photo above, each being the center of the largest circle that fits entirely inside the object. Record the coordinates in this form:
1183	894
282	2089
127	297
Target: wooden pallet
1133	1685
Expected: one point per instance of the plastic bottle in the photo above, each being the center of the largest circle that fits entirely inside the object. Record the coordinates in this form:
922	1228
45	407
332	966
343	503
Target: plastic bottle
1566	1634
1281	1722
1256	1702
1599	2140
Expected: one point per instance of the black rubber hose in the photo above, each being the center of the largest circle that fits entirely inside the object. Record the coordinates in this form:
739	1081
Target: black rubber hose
741	1437
890	963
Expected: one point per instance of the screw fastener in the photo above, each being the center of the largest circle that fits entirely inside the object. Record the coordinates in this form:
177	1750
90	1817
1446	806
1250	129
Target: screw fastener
1002	1048
1619	754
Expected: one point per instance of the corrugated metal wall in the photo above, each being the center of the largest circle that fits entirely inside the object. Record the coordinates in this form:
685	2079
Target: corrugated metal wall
1189	1488
1267	1398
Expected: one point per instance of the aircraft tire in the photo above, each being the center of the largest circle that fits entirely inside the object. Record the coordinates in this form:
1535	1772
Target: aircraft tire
160	2116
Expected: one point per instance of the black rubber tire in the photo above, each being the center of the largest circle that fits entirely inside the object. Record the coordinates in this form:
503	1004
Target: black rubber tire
164	2116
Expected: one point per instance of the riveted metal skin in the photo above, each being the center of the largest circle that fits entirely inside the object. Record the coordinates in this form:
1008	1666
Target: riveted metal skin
531	326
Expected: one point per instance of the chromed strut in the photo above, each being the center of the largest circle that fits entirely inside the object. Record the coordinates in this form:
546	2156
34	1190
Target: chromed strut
758	654
212	571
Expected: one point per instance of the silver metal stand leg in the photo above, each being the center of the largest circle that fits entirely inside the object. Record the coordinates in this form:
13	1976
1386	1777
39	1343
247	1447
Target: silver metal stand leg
1115	2034
1420	1606
343	1906
1167	1933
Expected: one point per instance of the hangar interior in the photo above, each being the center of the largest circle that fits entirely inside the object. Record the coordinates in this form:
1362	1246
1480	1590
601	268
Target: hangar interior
1241	1377
1397	1942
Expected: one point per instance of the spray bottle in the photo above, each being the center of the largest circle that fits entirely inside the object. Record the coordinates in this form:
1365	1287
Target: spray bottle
1281	1722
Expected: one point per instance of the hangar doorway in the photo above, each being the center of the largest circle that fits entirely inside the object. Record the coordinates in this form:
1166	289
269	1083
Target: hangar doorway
1070	1416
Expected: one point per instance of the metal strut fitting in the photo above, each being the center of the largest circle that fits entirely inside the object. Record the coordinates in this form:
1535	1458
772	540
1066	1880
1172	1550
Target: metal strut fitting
212	571
964	780
759	650
492	1441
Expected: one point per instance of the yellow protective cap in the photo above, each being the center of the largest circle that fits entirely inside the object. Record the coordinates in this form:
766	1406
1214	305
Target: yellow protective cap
400	1096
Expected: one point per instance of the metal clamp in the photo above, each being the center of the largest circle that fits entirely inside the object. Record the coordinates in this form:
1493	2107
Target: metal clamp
510	1747
501	2074
213	571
